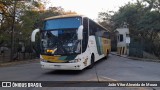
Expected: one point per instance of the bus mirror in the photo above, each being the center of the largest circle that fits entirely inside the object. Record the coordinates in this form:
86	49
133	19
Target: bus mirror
34	35
80	32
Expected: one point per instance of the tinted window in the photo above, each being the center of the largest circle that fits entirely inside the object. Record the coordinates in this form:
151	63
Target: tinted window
106	35
95	29
85	34
62	23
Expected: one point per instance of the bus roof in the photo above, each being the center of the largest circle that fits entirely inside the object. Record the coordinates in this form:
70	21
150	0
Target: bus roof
63	16
73	15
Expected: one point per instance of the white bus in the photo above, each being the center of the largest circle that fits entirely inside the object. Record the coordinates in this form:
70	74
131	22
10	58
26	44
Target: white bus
72	42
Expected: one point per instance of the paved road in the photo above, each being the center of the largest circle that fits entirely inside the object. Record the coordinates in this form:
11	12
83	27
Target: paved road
114	69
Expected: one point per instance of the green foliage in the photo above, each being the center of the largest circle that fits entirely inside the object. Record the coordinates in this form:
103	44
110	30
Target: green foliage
151	21
104	18
28	16
143	20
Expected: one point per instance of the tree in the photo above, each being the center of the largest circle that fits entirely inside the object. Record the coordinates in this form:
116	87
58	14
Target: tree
18	18
104	18
143	19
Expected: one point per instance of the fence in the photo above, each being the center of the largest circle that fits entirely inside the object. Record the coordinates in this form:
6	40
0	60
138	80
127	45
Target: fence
139	48
136	49
23	50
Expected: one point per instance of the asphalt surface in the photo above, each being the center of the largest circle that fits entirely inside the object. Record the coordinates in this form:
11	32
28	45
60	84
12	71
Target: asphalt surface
115	68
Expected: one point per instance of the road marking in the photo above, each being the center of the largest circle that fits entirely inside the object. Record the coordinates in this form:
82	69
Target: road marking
106	78
101	78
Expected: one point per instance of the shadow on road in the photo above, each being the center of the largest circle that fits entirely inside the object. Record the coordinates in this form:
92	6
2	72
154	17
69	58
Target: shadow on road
64	72
99	62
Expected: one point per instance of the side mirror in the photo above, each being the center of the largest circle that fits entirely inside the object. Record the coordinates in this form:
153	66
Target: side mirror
34	35
80	32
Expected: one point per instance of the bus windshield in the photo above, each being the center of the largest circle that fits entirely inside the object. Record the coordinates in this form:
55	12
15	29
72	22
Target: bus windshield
62	23
59	36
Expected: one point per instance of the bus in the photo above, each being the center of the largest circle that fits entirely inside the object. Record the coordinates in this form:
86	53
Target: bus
72	42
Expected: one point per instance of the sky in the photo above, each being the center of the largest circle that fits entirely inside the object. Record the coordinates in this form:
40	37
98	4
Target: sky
89	8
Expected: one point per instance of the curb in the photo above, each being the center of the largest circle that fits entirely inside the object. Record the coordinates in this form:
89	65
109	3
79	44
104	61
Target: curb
139	59
18	62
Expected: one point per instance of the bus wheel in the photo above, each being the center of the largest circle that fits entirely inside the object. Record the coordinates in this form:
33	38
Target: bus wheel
92	62
107	55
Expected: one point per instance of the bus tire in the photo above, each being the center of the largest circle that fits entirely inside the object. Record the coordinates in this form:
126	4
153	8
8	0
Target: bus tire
107	54
92	62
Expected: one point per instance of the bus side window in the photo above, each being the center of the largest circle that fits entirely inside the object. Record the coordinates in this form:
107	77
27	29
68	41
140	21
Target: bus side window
99	32
106	35
85	24
85	34
91	28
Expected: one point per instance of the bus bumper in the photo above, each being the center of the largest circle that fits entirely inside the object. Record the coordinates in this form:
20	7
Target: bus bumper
61	66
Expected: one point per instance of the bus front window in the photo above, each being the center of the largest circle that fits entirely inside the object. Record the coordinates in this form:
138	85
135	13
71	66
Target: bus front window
61	39
60	42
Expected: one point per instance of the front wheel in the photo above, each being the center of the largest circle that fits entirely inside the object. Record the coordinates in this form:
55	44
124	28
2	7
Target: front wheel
92	62
107	54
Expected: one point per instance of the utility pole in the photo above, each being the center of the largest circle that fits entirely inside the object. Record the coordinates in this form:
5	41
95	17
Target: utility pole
12	30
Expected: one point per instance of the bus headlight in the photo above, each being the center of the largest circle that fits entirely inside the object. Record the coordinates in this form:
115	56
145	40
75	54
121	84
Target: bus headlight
75	60
42	60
